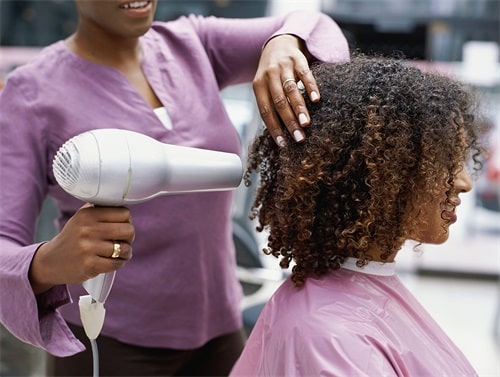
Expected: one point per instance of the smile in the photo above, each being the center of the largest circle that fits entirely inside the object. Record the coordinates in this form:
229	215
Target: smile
135	5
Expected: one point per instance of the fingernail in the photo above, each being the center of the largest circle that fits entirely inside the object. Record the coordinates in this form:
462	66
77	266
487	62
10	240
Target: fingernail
297	135
314	96
280	141
302	119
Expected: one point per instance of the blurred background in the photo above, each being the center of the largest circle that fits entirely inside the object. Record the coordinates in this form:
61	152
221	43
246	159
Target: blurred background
457	282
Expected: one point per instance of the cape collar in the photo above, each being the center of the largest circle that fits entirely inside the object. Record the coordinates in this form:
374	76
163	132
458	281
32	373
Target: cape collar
372	268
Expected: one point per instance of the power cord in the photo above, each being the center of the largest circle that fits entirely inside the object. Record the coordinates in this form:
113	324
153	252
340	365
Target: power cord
92	315
95	358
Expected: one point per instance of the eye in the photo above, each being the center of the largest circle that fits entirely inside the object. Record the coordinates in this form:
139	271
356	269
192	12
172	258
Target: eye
469	166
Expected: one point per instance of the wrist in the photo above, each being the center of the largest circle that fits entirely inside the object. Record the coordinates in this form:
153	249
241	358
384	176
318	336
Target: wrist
290	38
36	273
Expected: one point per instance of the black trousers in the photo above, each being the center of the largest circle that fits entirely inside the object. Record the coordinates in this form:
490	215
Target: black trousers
215	358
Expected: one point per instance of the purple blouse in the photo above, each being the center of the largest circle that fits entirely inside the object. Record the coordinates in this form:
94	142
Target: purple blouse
180	289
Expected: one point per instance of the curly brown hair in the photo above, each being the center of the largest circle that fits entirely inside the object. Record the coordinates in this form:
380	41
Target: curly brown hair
381	137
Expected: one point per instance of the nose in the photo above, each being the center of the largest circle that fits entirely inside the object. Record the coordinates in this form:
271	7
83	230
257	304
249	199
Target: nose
463	181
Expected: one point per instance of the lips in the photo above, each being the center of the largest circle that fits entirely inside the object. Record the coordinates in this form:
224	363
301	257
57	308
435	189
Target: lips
450	216
449	212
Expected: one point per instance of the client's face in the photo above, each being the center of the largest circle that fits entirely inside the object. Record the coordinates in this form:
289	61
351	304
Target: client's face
437	216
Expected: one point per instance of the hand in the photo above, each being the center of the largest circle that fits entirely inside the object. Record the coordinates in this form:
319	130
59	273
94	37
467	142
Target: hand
282	64
83	248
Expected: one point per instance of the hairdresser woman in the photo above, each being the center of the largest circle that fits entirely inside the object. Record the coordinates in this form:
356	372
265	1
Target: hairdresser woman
174	307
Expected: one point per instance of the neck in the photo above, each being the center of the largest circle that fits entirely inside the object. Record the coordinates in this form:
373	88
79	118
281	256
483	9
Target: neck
378	254
105	49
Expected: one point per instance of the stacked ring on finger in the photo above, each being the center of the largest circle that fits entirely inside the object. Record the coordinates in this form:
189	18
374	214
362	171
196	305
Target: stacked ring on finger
301	87
116	250
286	82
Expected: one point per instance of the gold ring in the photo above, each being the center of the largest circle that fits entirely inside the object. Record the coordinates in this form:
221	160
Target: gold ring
116	250
287	81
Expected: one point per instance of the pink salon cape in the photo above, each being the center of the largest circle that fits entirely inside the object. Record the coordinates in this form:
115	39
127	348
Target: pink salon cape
351	322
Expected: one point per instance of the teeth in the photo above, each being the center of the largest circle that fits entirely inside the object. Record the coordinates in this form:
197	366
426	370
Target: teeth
135	5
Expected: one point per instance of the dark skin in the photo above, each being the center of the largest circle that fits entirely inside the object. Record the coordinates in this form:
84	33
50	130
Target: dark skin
284	57
107	35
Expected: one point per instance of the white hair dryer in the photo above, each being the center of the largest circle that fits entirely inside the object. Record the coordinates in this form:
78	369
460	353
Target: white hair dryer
114	167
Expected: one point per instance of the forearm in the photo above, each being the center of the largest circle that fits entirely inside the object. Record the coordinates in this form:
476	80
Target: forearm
322	39
234	46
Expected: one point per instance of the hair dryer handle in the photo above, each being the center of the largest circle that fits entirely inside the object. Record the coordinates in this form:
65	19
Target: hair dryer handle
100	286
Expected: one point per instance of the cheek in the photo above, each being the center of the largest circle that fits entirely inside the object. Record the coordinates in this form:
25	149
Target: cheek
430	225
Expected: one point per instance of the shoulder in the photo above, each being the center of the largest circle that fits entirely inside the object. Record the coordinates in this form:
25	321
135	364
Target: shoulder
317	335
184	24
36	64
326	308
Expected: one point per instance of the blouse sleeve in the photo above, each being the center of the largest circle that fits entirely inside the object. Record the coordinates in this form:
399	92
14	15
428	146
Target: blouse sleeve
23	176
234	45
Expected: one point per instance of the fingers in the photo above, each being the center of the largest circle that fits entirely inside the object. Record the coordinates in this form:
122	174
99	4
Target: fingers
105	240
307	80
116	249
281	104
280	99
107	214
294	86
121	251
265	104
110	256
84	247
